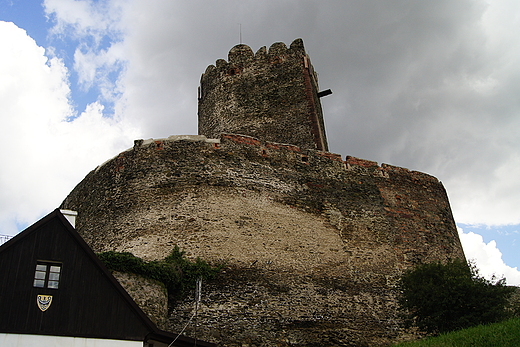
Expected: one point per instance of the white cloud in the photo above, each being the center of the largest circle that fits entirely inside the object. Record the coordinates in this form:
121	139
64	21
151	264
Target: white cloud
44	155
82	18
94	67
488	258
94	28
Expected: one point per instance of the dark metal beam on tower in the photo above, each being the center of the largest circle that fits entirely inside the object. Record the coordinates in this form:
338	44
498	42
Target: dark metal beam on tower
324	93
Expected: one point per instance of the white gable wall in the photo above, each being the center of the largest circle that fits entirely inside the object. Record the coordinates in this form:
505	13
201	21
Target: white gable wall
25	340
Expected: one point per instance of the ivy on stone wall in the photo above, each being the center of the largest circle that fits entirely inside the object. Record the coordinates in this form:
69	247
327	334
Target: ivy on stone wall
178	274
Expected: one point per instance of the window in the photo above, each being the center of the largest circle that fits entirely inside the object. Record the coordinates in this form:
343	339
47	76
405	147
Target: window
47	275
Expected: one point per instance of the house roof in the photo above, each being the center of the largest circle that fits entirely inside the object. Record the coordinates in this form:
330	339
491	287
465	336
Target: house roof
53	236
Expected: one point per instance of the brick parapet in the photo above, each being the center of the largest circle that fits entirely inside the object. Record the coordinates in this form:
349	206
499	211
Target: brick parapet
279	150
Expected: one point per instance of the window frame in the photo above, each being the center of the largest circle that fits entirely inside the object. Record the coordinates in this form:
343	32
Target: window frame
47	274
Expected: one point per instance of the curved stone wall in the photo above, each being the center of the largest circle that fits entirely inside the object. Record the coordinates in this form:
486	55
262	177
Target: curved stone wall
312	244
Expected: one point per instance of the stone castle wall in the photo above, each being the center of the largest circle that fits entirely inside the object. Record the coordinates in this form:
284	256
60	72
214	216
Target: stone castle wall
148	294
271	95
312	244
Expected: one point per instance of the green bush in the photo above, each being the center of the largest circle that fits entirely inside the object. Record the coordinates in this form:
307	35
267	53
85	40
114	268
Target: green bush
176	272
438	298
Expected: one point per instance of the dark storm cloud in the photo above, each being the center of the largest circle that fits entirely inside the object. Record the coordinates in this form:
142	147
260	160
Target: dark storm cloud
426	85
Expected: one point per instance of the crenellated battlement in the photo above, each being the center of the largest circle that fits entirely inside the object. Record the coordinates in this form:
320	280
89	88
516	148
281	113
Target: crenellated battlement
241	56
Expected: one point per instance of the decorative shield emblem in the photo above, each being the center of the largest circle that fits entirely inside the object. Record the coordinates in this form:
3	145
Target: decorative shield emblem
44	302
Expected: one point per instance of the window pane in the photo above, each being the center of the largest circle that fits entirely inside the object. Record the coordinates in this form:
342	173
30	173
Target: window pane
39	283
39	275
47	275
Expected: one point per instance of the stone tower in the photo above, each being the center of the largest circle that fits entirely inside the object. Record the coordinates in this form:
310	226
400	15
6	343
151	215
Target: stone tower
271	95
313	243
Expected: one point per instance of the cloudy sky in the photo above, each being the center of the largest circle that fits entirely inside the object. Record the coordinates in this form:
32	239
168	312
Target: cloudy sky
433	86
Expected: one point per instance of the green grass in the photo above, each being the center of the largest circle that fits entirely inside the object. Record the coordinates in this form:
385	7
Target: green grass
504	334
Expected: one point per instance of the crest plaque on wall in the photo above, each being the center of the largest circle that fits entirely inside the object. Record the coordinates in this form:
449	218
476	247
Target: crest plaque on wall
44	301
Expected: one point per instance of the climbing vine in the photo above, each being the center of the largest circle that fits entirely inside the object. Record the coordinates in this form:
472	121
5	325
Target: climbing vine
176	272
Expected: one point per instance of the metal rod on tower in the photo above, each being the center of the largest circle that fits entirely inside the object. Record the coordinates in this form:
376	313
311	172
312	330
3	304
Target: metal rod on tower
198	293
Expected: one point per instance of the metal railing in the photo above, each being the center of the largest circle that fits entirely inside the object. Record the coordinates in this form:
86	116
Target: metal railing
5	238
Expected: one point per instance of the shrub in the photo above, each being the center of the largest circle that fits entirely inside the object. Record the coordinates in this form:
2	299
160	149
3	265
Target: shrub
438	298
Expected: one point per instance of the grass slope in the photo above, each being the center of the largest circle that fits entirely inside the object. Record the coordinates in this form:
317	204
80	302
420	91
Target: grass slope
504	334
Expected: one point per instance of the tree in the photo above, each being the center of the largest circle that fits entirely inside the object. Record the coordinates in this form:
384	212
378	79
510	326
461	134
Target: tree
438	297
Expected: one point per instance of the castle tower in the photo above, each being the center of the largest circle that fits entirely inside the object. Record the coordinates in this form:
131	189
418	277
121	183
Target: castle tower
312	243
271	95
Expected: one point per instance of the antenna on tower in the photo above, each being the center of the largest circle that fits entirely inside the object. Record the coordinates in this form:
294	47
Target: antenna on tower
198	291
240	32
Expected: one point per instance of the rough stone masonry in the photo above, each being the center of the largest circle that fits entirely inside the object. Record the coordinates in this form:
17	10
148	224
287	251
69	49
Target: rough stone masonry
312	243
